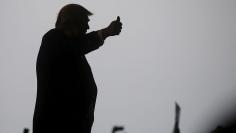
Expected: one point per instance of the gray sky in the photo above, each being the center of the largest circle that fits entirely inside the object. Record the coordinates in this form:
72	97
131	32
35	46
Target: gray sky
168	51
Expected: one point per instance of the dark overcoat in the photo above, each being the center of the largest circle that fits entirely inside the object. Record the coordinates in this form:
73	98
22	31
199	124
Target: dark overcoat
66	90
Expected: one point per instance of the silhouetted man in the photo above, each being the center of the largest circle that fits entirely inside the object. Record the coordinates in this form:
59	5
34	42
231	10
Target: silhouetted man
66	90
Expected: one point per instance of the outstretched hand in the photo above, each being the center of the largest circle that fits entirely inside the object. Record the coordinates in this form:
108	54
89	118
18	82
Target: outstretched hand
113	29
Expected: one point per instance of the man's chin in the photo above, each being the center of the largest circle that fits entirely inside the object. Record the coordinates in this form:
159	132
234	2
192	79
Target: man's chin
81	34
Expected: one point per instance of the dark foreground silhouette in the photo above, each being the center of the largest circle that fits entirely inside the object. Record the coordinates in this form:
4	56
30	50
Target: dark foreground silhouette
177	118
66	90
117	128
26	130
229	127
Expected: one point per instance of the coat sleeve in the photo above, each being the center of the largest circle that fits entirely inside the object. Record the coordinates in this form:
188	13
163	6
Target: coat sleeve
87	44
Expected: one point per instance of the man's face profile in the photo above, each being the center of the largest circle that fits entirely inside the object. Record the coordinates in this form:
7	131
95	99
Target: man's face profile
81	25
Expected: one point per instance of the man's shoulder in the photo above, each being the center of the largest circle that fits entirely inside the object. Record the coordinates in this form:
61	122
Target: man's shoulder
54	34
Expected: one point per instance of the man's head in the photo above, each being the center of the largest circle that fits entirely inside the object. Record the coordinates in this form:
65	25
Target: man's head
73	20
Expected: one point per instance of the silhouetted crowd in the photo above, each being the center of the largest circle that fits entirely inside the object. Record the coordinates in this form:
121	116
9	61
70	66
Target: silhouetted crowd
229	128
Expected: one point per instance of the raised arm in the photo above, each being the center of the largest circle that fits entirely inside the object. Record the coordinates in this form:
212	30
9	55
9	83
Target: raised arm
95	39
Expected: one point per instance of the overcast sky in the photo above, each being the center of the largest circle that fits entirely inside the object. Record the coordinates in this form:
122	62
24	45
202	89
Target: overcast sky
168	50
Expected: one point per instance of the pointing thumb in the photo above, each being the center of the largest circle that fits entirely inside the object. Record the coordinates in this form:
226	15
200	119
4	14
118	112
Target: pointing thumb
118	19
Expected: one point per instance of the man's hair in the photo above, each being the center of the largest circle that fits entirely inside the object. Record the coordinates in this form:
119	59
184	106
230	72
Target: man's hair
71	14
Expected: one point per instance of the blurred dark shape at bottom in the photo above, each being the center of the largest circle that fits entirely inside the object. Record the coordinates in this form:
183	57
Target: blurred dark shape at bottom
26	130
228	124
177	118
229	128
117	128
